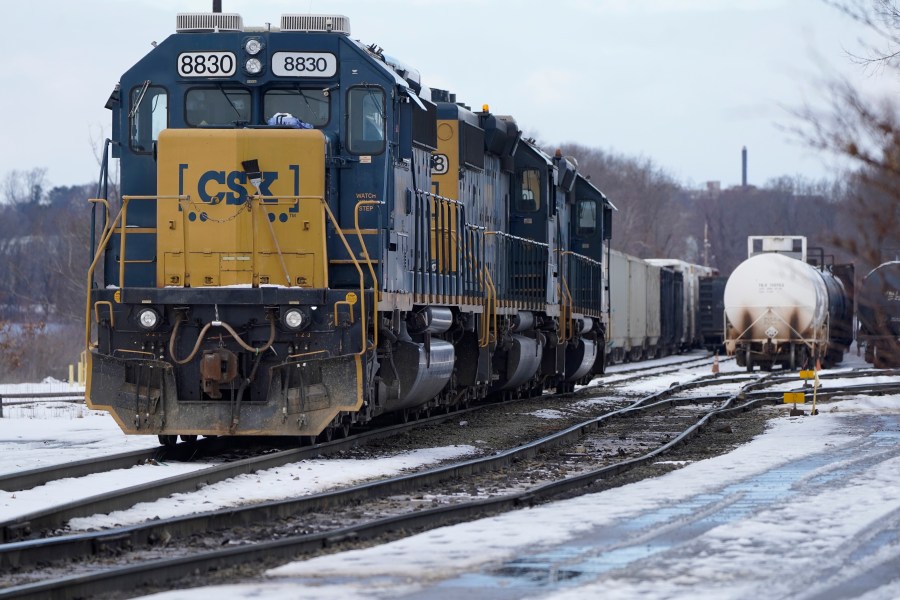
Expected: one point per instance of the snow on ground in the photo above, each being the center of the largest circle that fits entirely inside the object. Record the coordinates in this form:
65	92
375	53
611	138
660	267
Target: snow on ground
30	442
756	556
288	481
749	557
48	433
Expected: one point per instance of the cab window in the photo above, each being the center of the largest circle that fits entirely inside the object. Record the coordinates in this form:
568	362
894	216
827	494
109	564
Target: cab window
366	116
587	217
217	106
310	106
529	198
149	110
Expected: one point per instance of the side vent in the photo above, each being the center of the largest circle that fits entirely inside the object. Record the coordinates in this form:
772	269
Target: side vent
310	23
207	22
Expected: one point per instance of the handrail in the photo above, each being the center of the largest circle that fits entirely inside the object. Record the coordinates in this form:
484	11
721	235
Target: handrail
362	282
101	248
368	259
491	307
124	224
563	291
287	276
105	204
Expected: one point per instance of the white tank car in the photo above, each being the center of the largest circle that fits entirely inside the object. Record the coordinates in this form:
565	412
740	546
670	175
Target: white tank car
776	310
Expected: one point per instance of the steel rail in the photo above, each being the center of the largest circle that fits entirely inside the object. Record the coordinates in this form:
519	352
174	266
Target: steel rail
68	547
288	548
31	524
55	517
164	571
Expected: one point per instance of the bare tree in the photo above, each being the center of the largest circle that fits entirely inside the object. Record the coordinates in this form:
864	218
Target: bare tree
25	187
881	18
647	224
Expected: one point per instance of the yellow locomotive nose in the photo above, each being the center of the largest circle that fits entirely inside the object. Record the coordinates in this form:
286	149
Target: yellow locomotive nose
251	209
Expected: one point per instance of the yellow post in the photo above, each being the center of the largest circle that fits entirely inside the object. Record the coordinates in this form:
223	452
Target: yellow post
71	374
815	389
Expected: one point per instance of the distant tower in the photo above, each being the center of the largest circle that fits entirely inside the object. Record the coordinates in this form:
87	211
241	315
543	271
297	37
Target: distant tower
744	166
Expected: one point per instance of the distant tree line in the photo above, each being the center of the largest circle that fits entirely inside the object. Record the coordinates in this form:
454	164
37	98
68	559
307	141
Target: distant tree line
44	254
658	217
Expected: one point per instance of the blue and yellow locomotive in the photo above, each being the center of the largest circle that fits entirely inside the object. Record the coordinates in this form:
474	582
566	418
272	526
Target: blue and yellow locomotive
308	237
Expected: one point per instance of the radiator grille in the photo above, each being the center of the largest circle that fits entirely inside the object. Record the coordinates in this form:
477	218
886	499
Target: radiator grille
335	23
195	22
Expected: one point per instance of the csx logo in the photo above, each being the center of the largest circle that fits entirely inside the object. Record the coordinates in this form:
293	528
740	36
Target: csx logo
217	186
234	187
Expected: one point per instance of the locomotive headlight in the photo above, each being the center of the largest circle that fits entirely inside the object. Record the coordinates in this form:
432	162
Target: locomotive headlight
293	319
148	319
253	66
253	47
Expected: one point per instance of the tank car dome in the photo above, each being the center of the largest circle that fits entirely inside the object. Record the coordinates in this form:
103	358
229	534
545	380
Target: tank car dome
776	297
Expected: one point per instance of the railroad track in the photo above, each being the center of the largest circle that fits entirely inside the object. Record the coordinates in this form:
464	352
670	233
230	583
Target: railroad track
206	447
20	555
43	522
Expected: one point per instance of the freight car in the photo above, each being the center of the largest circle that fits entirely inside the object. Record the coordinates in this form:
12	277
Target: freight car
711	320
308	237
654	306
878	311
782	311
690	277
634	308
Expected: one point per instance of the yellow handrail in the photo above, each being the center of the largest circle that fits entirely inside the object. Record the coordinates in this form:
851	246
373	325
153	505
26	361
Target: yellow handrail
101	248
120	221
287	276
365	251
90	280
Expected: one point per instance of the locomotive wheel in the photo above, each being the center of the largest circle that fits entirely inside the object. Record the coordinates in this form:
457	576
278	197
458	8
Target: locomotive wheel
326	435
168	441
748	361
190	439
793	357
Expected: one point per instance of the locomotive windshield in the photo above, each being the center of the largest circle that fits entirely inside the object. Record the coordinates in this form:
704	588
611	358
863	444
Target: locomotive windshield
217	106
310	106
529	199
151	115
587	217
365	131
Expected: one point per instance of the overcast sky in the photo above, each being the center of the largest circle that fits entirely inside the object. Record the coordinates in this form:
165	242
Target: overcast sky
685	83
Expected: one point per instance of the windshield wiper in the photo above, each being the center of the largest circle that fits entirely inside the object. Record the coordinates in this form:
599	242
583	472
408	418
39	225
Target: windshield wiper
239	120
140	98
